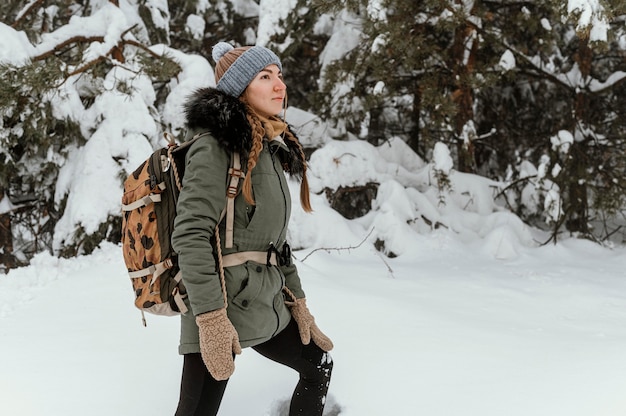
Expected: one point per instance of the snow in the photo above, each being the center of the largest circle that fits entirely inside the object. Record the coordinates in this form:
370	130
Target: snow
545	23
444	329
196	73
592	17
195	26
14	46
468	315
442	159
345	37
507	61
270	13
376	11
123	121
108	22
5	204
562	141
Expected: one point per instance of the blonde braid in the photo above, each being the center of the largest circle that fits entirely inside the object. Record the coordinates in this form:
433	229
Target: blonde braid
304	184
257	146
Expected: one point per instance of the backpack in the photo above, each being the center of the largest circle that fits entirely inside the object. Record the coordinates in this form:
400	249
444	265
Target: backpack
148	212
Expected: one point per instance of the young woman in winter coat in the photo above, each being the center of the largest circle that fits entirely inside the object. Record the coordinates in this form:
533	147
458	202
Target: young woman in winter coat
259	301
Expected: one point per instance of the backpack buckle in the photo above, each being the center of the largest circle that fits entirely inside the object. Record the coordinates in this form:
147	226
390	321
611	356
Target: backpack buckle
285	256
231	191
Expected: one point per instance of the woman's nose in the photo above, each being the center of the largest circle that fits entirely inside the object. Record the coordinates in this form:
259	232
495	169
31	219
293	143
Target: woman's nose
280	85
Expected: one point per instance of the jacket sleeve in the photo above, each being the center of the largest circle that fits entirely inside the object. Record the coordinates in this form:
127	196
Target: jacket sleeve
201	200
292	280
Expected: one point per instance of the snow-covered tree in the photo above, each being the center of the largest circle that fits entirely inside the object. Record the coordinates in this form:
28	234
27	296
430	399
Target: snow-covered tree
81	96
559	105
528	95
496	82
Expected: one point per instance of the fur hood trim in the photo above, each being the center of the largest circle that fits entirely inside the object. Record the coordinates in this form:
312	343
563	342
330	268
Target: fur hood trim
225	118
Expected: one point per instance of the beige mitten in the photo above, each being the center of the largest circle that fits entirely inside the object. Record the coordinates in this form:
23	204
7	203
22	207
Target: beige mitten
218	342
307	326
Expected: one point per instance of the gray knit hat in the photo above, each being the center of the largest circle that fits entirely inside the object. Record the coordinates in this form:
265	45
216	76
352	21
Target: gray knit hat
244	69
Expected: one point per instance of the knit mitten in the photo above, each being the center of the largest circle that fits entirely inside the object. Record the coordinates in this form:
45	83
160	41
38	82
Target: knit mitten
307	326
218	342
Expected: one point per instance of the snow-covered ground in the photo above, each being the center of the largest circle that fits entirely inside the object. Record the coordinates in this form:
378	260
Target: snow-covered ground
445	329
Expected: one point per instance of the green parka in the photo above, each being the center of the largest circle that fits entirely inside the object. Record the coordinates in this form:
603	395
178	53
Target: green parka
255	298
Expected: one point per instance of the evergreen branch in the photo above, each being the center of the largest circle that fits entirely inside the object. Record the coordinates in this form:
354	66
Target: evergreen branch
514	183
60	46
520	55
502	192
26	12
91	63
142	47
101	58
611	85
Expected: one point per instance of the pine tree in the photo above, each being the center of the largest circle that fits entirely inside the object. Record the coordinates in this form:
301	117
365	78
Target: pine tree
301	43
126	61
563	85
415	74
436	71
39	135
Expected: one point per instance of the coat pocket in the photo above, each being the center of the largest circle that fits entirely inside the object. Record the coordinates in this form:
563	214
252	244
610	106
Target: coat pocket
250	287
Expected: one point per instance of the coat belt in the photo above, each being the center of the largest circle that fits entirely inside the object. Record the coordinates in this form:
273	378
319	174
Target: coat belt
235	259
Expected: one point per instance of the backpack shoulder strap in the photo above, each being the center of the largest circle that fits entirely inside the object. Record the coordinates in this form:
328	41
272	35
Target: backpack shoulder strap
235	174
177	153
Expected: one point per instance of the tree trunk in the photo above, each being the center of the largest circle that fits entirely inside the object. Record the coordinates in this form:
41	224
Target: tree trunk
577	188
414	137
6	238
463	55
376	127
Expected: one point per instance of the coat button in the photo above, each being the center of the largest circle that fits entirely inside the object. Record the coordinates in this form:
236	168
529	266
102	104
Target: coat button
244	303
259	269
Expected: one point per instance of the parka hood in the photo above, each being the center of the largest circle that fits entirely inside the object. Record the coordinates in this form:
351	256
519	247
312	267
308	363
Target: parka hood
225	118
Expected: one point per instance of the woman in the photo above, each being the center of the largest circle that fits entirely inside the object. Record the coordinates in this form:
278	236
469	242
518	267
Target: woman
240	116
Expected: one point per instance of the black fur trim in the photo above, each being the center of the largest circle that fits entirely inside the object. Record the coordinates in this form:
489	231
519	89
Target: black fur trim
225	118
295	163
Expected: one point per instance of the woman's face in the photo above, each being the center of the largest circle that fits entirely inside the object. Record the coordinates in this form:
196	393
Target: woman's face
266	93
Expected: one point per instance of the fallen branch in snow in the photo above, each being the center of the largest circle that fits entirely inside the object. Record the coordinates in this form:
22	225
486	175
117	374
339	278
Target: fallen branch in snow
337	161
389	269
327	249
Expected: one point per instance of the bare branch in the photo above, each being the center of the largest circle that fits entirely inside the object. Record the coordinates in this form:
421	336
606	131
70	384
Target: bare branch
389	269
514	183
327	249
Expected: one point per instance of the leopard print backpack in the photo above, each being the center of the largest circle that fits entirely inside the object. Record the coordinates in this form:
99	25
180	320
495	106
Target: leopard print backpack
148	213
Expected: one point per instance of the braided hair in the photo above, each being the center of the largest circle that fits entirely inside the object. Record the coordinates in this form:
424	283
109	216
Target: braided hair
258	132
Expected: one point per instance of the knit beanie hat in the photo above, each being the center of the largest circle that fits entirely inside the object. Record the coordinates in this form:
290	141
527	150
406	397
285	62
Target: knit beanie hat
242	65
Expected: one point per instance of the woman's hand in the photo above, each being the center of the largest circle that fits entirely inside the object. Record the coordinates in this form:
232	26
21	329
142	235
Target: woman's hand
219	342
307	326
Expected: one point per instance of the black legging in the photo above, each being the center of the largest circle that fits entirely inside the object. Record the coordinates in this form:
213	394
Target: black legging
201	394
